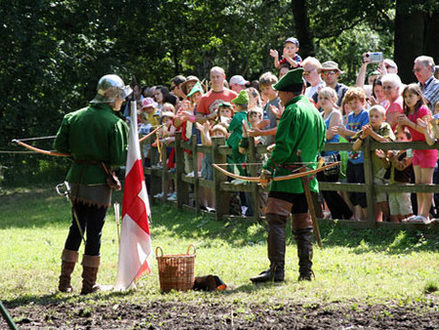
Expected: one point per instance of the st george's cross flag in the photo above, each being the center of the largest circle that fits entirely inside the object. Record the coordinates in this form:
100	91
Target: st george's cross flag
135	239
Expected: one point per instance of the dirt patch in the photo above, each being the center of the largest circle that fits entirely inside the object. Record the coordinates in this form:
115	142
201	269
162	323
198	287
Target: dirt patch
169	315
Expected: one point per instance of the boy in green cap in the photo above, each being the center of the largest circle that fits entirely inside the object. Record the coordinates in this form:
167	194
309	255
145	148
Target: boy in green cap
301	127
235	129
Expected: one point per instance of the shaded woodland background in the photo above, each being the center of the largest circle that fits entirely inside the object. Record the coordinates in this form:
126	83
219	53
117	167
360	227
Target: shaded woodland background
52	53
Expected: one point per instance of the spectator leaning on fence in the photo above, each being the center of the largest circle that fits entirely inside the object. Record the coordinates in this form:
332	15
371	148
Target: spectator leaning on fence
271	108
380	131
356	98
333	118
400	203
424	161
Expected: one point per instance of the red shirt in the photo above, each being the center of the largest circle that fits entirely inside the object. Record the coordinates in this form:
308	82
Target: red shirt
210	101
422	111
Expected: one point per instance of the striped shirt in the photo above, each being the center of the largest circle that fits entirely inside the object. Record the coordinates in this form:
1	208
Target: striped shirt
430	91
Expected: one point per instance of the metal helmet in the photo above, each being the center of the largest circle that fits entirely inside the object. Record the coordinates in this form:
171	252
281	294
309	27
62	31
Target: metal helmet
109	87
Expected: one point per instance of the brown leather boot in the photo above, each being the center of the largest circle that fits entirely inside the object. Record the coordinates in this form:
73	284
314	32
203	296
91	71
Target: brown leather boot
276	250
90	267
68	260
303	239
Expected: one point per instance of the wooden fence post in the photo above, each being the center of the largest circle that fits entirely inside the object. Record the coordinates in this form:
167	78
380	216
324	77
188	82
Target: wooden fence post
196	191
182	187
255	202
222	203
165	174
368	179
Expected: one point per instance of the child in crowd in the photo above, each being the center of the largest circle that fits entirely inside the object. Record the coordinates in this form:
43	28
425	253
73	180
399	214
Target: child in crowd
167	136
149	119
254	117
225	113
255	100
283	69
289	56
337	206
235	129
380	131
207	200
356	99
400	173
424	161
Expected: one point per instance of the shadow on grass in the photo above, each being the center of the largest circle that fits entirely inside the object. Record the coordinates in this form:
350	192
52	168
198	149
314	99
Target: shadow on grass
41	207
246	232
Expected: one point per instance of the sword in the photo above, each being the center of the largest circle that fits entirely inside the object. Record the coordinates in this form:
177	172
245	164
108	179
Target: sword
63	189
309	200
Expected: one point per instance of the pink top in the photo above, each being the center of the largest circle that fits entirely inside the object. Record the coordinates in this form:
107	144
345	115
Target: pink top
393	111
422	111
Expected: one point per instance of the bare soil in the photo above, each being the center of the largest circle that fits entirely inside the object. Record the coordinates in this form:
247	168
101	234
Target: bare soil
171	315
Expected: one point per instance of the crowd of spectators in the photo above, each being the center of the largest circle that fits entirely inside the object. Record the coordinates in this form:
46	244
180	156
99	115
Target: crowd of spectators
379	107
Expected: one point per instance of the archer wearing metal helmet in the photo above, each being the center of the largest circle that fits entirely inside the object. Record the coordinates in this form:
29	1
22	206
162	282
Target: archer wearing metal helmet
96	138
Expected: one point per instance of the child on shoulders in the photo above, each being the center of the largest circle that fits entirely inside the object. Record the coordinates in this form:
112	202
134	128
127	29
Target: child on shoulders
289	55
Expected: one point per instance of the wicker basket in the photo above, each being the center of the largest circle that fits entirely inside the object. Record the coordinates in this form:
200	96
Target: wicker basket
176	271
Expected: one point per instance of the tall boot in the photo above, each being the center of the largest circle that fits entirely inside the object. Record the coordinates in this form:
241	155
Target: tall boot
68	260
90	267
276	250
303	239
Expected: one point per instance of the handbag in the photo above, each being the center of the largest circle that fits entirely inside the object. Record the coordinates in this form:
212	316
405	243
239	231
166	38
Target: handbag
334	170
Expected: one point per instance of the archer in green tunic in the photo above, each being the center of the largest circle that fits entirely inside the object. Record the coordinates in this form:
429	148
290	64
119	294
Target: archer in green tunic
95	137
300	128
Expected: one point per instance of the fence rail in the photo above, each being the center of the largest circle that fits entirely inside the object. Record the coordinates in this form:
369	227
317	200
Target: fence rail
159	179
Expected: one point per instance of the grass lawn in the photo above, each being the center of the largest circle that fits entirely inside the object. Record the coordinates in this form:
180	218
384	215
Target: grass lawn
354	267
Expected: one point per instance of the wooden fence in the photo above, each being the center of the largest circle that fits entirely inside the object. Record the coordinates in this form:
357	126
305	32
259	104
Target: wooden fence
159	178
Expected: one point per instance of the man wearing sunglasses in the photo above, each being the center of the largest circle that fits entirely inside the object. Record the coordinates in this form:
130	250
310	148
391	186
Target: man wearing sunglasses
330	73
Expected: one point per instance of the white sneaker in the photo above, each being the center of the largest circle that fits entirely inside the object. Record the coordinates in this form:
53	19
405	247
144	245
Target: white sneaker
159	195
191	174
172	197
420	219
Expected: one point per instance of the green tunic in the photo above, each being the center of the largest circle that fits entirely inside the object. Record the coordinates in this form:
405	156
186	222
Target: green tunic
92	135
300	128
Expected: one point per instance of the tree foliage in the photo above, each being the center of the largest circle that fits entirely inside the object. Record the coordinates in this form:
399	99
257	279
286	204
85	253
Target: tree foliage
54	51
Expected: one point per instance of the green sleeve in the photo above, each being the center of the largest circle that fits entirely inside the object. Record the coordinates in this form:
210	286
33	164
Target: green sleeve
119	144
61	142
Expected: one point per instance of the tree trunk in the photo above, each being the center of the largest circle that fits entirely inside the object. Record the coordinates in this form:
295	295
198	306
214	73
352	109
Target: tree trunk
432	36
409	37
303	30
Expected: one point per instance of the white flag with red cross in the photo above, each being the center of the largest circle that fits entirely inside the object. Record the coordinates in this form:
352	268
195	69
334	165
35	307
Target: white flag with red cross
135	240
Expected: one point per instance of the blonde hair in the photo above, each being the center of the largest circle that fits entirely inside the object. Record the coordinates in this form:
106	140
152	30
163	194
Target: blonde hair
312	61
168	107
220	128
329	92
378	108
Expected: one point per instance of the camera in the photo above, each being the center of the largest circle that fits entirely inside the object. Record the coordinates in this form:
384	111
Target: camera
375	57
